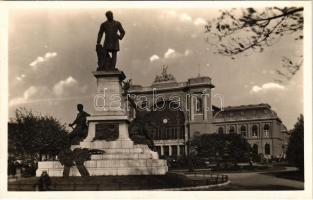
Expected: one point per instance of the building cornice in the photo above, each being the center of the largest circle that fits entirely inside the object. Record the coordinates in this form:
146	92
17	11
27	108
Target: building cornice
245	120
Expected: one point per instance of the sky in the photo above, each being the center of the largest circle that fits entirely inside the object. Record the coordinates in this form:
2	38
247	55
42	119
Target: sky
52	56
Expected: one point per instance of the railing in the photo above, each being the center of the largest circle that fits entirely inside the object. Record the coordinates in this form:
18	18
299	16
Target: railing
209	178
169	132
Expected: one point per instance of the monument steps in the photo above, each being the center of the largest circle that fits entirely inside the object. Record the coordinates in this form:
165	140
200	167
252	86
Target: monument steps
121	156
114	171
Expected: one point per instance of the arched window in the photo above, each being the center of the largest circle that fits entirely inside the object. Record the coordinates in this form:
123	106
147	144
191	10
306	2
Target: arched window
255	148
267	149
231	129
243	131
266	130
220	130
254	131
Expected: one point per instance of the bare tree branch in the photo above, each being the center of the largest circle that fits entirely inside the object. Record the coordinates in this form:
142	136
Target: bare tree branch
239	31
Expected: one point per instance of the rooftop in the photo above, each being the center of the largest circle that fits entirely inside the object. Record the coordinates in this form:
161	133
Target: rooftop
249	106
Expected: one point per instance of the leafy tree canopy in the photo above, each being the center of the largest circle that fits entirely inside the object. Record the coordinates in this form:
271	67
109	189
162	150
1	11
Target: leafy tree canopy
295	150
38	134
222	146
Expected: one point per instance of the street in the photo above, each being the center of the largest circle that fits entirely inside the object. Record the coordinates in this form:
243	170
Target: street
259	181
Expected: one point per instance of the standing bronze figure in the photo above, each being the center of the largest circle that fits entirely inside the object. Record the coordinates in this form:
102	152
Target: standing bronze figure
113	33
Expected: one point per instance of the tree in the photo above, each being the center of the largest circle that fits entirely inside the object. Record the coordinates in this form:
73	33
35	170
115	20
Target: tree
38	134
223	146
295	150
240	31
139	128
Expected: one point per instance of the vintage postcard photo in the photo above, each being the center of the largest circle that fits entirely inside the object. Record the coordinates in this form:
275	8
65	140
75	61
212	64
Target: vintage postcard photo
156	97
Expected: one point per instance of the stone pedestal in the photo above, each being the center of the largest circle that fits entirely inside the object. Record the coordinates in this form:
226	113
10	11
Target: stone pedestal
122	156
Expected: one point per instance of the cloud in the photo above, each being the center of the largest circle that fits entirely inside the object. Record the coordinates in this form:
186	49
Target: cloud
199	21
170	53
60	87
29	94
169	13
194	35
34	64
185	17
63	89
154	58
266	87
187	52
21	77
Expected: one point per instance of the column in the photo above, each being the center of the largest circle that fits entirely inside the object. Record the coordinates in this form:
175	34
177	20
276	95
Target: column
169	150
259	138
178	150
192	111
205	107
186	133
248	130
162	150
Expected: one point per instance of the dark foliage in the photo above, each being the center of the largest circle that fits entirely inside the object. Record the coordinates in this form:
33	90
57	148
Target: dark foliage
232	147
38	134
295	151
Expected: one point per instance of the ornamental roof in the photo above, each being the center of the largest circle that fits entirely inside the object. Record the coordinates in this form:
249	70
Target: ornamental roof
164	76
245	112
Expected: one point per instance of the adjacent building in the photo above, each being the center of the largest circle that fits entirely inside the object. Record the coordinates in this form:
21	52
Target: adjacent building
259	124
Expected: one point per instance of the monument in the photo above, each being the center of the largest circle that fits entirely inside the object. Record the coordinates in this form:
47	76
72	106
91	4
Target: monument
108	126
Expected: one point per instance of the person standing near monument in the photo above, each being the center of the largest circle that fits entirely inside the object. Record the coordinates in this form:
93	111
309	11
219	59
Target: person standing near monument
111	41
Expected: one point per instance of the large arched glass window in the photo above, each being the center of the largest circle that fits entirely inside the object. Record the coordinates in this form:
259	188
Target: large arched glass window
254	131
231	129
220	130
266	130
243	131
267	149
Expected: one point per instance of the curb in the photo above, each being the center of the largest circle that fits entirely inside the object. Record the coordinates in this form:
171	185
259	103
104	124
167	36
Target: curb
195	187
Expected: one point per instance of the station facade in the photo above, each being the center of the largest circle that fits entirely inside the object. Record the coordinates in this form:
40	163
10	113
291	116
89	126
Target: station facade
181	110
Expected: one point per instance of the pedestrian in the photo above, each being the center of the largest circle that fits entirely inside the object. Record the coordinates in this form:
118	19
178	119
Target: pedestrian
44	182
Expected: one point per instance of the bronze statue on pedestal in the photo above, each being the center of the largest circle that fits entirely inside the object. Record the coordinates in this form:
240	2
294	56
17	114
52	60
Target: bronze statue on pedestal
113	33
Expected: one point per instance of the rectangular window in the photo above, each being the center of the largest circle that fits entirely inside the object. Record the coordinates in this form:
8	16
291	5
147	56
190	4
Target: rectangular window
166	150
174	150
